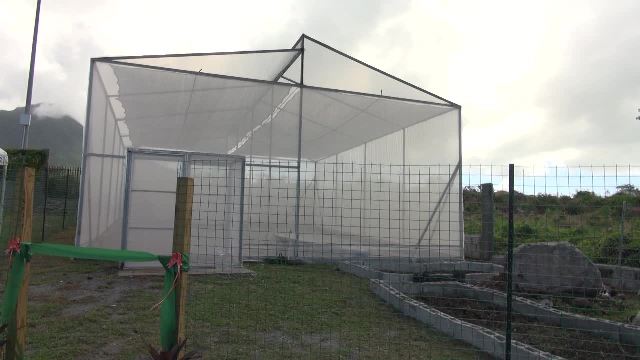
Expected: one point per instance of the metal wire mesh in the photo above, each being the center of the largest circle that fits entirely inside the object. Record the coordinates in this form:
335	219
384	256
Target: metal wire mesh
575	265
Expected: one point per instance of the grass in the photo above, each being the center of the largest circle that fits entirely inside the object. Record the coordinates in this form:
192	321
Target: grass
84	310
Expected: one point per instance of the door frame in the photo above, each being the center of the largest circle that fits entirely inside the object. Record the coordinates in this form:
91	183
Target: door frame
184	157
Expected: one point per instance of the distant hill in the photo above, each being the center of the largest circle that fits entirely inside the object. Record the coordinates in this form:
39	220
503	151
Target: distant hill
61	135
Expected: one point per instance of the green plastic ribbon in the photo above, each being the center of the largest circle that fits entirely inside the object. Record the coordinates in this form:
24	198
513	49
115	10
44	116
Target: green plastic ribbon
14	284
168	318
88	253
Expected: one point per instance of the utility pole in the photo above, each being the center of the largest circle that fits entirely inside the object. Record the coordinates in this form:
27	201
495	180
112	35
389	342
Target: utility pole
25	118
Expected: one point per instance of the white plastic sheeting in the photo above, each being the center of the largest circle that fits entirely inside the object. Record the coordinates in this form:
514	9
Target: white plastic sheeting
341	130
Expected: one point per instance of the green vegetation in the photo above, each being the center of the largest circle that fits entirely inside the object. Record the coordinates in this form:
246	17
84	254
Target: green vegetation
30	157
587	220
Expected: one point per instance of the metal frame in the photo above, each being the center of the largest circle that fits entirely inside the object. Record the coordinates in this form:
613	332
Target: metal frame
190	72
125	203
297	210
278	83
240	52
460	189
185	158
299	53
378	70
444	193
85	142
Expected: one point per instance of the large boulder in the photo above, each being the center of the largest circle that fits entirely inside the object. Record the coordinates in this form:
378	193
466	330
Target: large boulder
555	268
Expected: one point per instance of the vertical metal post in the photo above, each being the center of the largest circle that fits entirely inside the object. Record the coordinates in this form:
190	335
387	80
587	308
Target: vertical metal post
402	185
621	242
85	144
25	119
460	189
297	213
127	194
66	196
240	233
507	345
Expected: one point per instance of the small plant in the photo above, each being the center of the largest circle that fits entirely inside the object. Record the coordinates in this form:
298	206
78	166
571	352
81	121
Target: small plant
171	354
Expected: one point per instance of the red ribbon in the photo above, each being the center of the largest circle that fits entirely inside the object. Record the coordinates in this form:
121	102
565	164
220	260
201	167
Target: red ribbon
14	246
176	259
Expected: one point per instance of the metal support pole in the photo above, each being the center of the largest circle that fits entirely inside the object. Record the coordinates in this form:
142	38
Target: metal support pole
125	204
242	197
507	345
460	188
297	213
25	119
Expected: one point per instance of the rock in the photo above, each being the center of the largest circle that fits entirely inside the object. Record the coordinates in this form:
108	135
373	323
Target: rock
555	268
636	319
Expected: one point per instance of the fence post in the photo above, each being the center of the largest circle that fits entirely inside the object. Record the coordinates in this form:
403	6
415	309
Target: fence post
507	345
182	244
44	206
487	209
17	328
621	242
66	195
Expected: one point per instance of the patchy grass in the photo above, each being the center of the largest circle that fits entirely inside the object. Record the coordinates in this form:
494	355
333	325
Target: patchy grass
84	310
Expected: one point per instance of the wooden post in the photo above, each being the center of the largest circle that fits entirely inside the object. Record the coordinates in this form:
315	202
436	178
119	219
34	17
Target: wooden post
17	329
182	244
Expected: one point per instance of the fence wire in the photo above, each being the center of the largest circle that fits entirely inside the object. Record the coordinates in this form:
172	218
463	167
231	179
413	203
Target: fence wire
350	278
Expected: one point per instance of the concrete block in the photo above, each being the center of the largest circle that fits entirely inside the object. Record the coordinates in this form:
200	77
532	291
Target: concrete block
423	315
629	334
466	333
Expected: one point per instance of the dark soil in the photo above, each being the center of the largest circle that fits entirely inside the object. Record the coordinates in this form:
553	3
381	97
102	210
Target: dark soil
568	343
620	307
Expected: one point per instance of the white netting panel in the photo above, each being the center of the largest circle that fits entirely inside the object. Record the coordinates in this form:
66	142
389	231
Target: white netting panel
253	65
326	68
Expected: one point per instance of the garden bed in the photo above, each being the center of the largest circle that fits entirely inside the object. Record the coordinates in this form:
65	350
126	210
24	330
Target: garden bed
620	307
568	343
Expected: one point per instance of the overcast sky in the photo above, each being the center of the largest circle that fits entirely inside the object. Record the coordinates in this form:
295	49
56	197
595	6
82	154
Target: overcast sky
553	82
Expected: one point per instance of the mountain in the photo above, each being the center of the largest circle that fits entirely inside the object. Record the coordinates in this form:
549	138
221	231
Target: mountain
61	135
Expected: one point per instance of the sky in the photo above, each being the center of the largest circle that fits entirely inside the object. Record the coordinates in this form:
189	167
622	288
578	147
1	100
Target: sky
540	83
